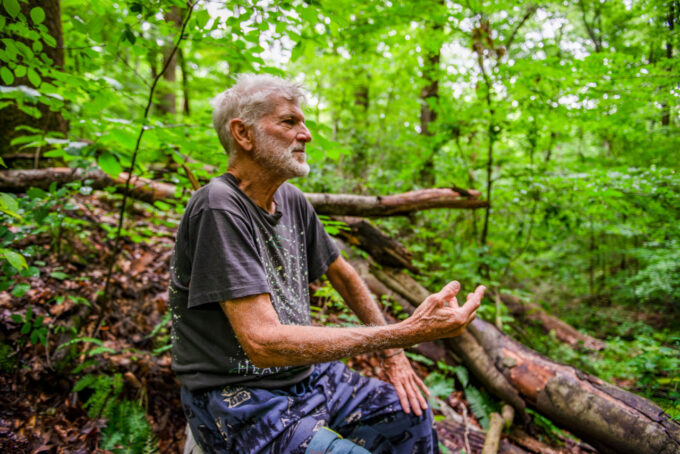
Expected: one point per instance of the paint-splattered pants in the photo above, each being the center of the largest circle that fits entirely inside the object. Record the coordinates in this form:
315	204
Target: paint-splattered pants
254	420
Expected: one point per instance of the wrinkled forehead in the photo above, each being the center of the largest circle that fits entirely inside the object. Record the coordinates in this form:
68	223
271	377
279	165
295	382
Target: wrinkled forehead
280	105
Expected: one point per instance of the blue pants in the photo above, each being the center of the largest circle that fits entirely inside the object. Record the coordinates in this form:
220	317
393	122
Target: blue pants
254	420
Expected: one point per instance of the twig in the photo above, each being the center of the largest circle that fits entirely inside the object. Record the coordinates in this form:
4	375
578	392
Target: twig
530	11
499	322
122	60
106	297
466	431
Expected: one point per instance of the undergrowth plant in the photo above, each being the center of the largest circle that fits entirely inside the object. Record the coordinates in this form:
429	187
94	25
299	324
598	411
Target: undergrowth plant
126	428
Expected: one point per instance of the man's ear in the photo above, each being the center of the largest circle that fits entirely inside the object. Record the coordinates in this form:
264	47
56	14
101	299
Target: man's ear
242	134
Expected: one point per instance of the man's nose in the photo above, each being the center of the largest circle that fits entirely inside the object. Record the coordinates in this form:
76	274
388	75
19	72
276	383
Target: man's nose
303	134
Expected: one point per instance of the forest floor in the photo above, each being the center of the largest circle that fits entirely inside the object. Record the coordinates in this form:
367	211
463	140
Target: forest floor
69	366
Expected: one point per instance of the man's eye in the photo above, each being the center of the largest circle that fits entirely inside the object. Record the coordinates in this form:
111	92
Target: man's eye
289	121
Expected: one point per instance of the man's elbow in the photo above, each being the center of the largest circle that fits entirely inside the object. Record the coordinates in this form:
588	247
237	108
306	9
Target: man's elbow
262	353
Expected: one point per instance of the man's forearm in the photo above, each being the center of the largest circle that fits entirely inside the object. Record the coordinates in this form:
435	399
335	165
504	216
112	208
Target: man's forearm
269	343
294	345
347	282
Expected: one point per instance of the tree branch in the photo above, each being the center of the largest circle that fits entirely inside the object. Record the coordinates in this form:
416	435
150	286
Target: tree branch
105	297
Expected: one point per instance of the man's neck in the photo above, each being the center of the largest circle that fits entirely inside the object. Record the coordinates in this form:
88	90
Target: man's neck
256	183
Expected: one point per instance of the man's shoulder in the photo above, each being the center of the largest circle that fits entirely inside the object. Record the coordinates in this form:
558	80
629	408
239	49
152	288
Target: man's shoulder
295	199
291	191
218	194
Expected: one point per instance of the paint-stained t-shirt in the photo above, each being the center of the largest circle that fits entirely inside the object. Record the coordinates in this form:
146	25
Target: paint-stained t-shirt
227	247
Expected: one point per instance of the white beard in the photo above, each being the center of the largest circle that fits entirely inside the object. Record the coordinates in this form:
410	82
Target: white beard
272	155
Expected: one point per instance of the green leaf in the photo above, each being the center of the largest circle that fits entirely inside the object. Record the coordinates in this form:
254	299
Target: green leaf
36	193
20	71
109	164
14	258
12	7
31	271
128	35
49	40
463	375
59	275
7	76
37	15
20	290
34	77
9	204
439	385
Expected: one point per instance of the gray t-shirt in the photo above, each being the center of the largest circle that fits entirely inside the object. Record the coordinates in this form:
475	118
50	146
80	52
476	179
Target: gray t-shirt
227	247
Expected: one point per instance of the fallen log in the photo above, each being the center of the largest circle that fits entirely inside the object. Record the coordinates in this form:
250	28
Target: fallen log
141	188
563	331
394	205
18	180
607	417
384	249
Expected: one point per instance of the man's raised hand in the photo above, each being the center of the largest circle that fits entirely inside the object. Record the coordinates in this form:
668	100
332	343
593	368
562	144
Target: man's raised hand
441	316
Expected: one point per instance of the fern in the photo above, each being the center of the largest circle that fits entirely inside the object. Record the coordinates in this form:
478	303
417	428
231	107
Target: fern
127	430
480	404
439	385
463	375
103	387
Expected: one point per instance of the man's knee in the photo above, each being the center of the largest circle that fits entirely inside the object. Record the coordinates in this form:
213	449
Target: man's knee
326	441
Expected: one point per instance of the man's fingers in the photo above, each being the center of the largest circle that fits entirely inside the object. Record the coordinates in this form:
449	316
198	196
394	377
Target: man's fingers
454	303
420	386
474	300
415	400
450	290
403	398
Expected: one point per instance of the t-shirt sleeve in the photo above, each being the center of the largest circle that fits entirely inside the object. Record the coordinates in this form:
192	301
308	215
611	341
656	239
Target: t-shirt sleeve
225	259
321	249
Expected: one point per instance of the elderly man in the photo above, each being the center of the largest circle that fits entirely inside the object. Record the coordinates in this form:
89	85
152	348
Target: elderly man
256	375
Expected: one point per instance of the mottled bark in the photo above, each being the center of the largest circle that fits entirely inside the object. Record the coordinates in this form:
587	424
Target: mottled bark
394	205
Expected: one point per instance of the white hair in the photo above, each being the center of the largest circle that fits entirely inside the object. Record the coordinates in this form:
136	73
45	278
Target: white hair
250	99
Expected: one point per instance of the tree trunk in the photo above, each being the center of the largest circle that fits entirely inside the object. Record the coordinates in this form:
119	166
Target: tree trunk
429	95
666	111
186	105
167	91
